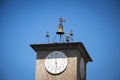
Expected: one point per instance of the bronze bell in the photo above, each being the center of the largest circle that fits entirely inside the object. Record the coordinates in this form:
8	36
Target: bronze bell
60	29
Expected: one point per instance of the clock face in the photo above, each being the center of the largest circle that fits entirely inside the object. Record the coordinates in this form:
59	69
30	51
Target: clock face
56	62
82	70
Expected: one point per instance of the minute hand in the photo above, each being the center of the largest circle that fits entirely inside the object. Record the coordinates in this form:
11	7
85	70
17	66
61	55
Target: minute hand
56	63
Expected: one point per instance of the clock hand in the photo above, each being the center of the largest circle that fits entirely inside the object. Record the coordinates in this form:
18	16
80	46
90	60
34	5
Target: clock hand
56	63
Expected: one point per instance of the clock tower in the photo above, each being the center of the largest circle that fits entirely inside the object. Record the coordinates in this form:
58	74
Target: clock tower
61	61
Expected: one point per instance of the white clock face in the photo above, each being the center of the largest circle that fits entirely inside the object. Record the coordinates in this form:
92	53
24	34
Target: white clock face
82	70
56	62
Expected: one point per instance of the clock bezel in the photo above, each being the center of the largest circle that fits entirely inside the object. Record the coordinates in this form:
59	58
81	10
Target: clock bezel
65	65
82	68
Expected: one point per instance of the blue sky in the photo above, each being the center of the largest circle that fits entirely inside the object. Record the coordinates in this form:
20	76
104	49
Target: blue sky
96	23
